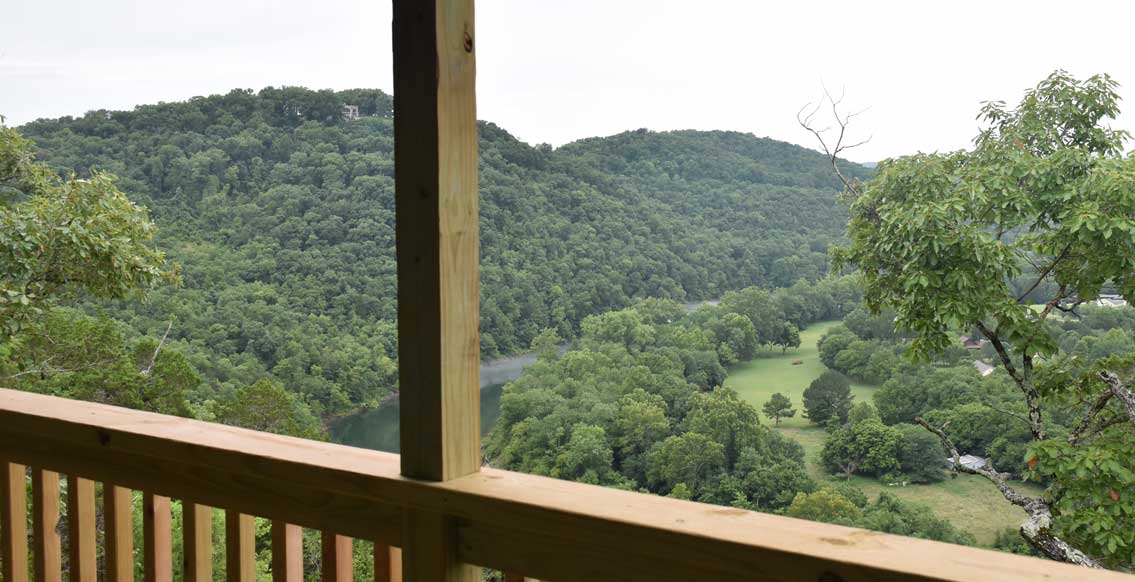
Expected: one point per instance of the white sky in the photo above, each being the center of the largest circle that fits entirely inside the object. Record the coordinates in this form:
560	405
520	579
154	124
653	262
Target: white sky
555	70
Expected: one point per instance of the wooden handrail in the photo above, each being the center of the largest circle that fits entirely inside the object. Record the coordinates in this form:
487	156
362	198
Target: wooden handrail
539	527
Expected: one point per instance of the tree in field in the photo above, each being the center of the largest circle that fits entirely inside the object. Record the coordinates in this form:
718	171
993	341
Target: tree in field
862	411
1045	195
920	454
824	505
828	396
789	337
778	407
867	446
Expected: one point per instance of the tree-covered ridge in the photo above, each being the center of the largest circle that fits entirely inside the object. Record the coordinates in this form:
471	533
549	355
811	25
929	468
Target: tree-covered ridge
280	214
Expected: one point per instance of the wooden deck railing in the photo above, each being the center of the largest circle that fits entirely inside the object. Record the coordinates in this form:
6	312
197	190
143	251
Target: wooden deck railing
535	526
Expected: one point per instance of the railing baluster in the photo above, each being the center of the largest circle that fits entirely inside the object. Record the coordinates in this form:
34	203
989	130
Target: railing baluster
13	523
287	552
197	542
81	529
387	563
240	546
158	538
118	516
338	565
45	523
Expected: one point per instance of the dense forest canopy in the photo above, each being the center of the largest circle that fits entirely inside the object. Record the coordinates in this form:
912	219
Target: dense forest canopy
280	214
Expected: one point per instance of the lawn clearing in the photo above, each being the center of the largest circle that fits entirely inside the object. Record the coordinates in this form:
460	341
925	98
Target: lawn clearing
759	379
969	502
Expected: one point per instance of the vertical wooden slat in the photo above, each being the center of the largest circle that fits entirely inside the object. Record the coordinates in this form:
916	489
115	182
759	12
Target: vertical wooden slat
157	537
81	529
13	523
118	515
287	552
240	547
45	523
197	542
435	138
338	563
387	563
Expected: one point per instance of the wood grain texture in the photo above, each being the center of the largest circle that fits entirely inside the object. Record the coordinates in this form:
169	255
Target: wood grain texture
157	538
45	526
337	561
81	551
544	528
240	546
13	522
196	542
387	563
435	137
287	552
118	517
430	549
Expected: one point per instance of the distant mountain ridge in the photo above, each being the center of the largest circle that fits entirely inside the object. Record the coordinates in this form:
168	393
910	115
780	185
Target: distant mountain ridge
280	212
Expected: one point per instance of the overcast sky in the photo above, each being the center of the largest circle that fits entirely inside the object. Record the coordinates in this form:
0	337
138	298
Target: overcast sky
555	70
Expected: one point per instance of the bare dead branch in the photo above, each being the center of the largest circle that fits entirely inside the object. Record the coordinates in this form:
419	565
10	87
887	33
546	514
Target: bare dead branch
1037	528
1121	393
154	358
842	122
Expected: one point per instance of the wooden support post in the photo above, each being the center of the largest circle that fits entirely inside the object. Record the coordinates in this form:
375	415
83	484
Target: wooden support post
13	522
118	516
435	139
81	529
240	547
45	526
338	563
387	563
287	552
196	542
157	538
435	142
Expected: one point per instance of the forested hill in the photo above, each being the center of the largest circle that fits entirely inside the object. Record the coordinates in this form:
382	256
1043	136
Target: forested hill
280	213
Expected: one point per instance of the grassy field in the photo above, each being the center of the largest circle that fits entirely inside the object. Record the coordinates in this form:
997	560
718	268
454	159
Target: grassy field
970	502
757	380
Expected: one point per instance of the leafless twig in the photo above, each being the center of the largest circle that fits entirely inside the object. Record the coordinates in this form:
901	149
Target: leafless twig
834	151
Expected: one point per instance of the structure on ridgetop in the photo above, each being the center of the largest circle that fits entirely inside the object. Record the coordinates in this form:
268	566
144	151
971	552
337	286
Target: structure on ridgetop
350	112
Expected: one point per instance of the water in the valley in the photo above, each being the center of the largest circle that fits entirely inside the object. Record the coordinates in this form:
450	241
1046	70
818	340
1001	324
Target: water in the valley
378	428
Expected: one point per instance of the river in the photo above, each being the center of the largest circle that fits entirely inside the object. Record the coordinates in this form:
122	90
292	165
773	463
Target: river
377	428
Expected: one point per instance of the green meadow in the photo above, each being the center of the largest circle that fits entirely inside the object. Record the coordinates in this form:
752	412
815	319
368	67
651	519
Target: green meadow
969	502
773	372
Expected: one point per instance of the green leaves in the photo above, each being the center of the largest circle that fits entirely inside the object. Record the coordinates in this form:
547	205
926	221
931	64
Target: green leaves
1046	197
58	238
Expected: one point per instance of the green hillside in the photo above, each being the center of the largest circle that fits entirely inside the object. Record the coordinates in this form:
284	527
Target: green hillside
280	214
